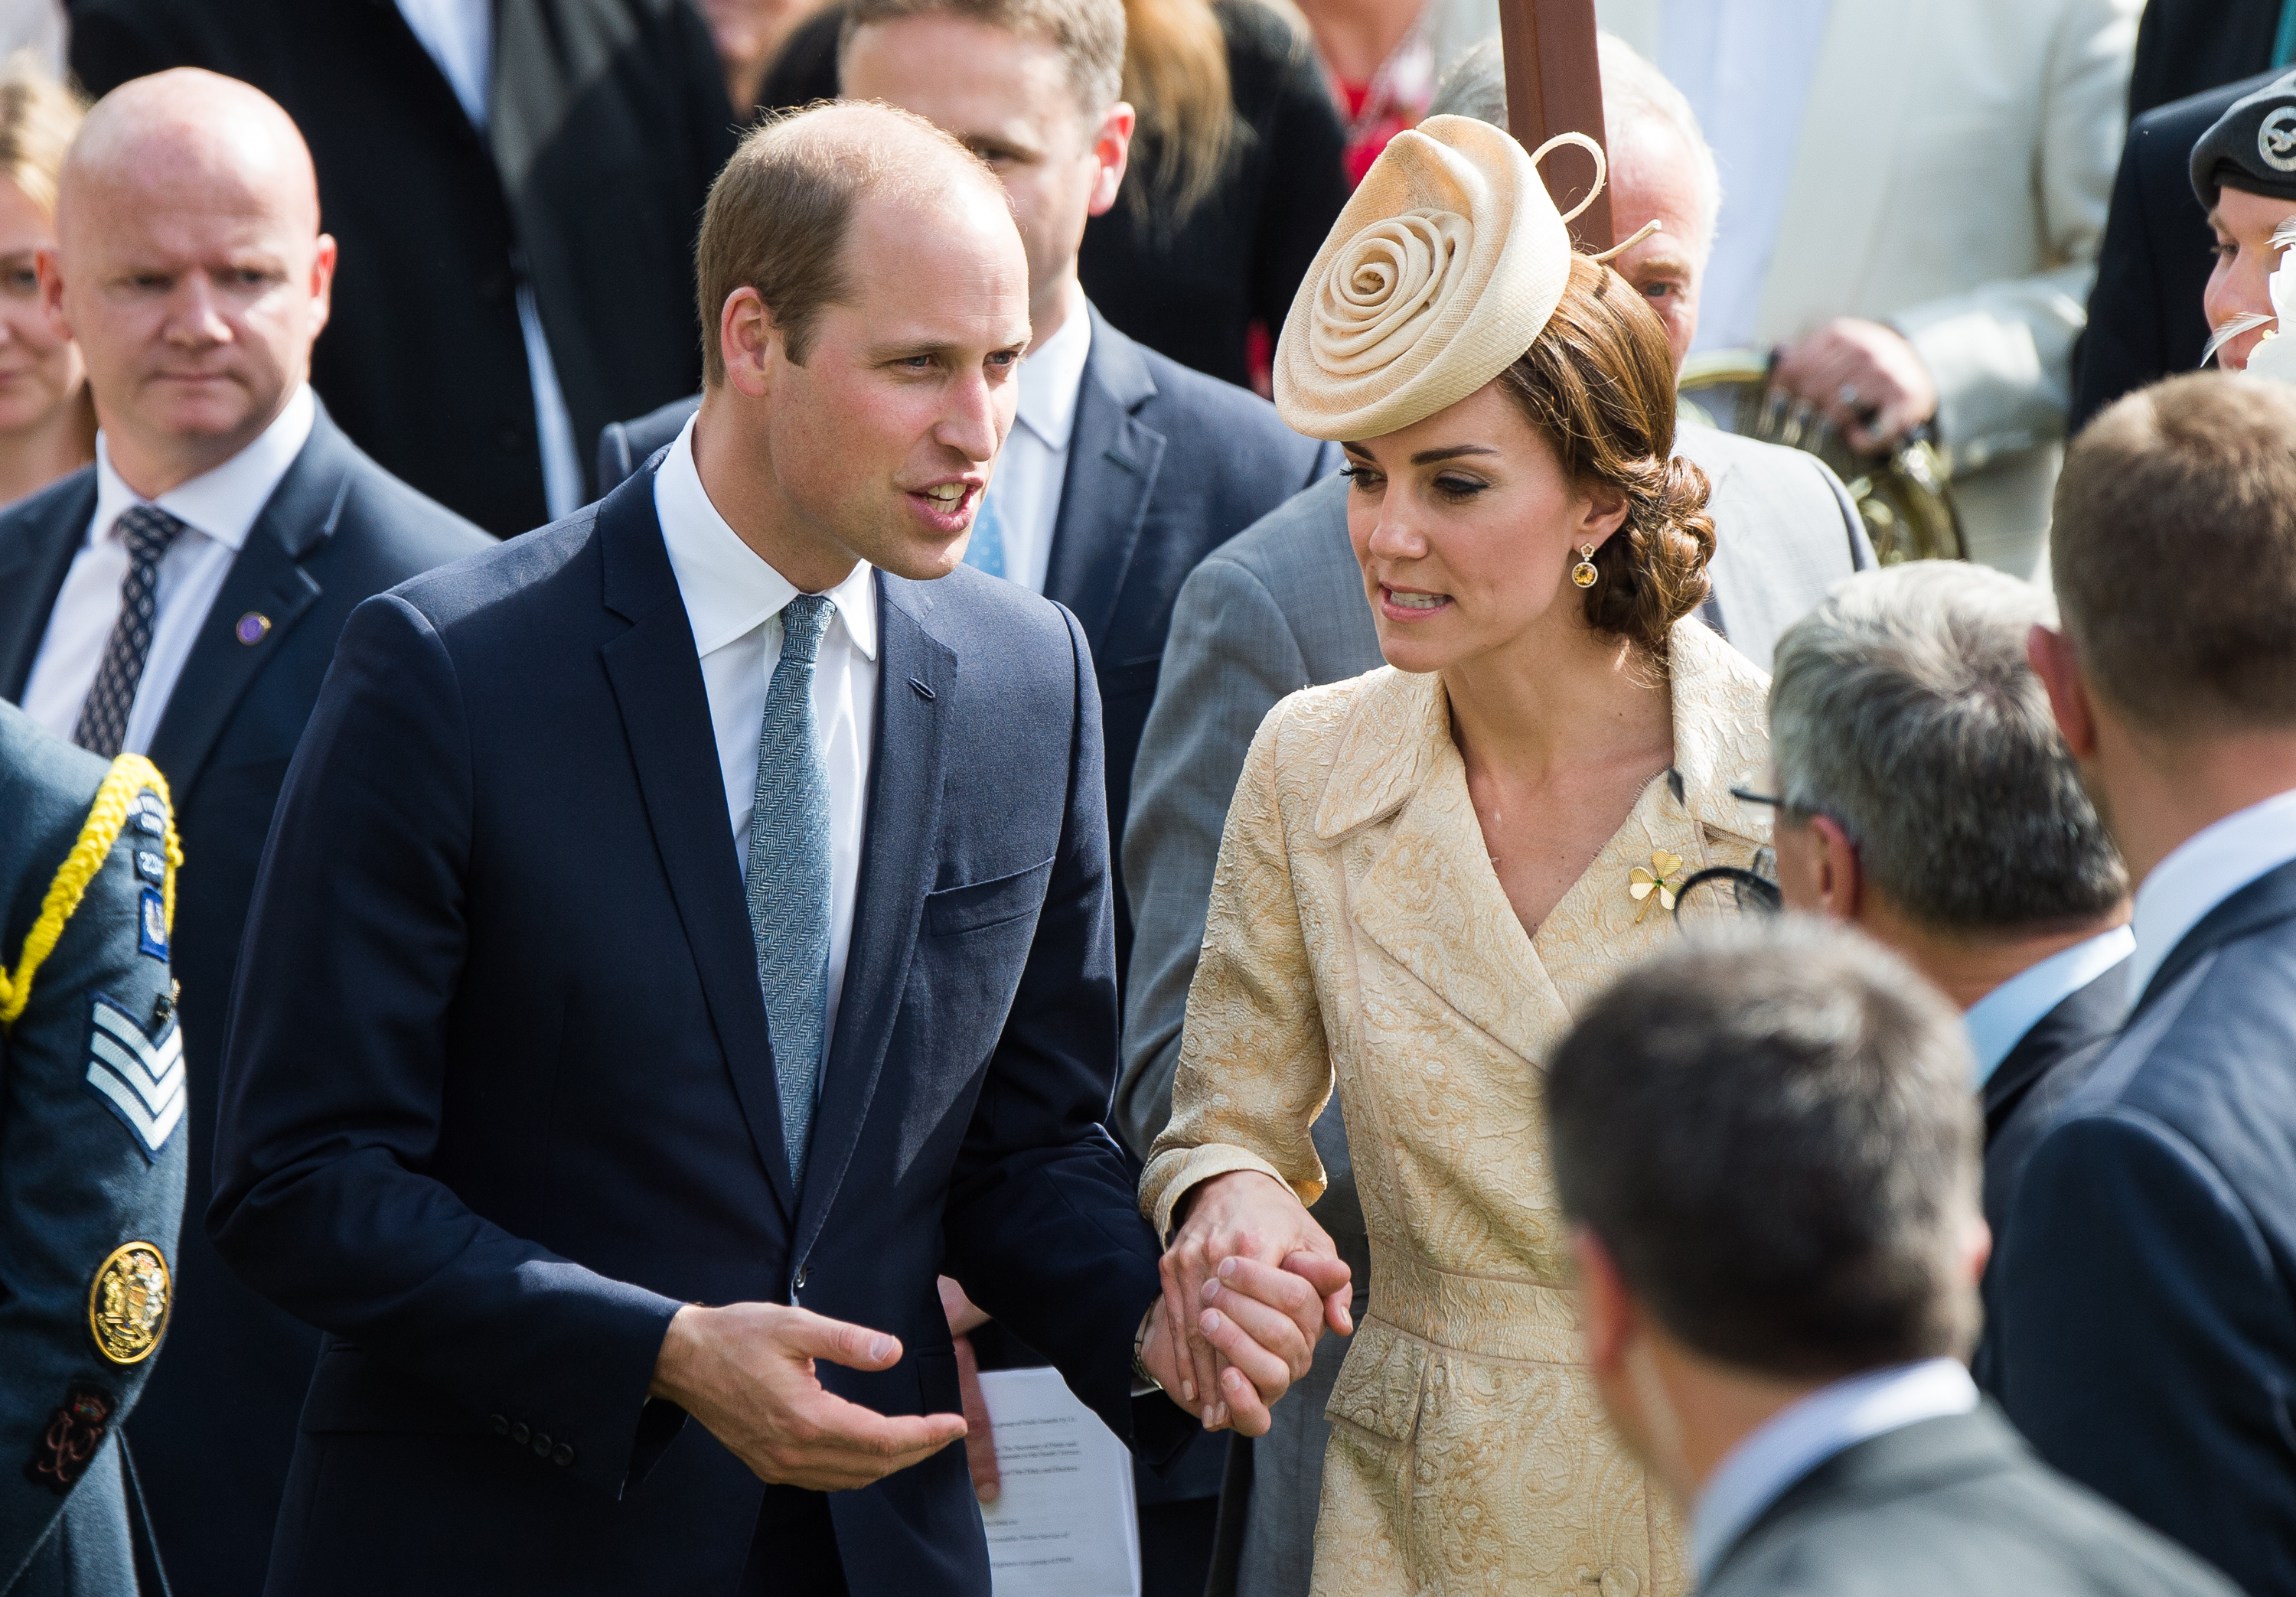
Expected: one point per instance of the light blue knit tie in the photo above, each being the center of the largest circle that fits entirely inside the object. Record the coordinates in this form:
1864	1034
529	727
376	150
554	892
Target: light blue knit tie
788	881
985	551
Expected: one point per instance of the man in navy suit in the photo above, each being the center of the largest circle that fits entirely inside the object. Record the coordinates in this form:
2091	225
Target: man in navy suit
687	932
1926	797
181	599
2148	1333
1127	469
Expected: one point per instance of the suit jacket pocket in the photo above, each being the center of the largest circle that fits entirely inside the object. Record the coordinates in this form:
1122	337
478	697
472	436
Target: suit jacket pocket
953	911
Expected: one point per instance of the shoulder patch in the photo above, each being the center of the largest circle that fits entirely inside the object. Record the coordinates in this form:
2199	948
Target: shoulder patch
139	1077
152	924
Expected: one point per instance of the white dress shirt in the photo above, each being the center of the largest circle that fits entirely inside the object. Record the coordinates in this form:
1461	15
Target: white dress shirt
2202	873
218	509
458	35
1746	67
734	602
1999	1021
1035	460
1801	1437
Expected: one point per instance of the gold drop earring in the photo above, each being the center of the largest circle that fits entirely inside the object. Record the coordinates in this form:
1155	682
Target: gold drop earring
1583	573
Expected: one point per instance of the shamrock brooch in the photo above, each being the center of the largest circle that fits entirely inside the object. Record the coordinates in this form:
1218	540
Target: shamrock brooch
1654	881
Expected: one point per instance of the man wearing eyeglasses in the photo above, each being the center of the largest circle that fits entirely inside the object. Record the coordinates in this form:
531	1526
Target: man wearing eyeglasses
1925	797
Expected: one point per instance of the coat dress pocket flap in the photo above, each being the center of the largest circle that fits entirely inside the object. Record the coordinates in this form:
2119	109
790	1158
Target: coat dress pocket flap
971	907
1379	1385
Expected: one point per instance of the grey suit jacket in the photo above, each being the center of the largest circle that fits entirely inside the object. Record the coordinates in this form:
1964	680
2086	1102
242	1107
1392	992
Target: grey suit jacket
1955	1505
1280	607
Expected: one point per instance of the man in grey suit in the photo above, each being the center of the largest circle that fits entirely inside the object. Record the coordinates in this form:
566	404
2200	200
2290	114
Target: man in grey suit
1767	1159
1280	607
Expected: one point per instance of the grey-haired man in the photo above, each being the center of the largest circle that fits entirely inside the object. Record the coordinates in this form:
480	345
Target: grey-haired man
1928	800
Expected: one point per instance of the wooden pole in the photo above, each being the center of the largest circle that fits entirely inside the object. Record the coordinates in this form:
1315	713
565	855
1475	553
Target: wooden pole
1554	85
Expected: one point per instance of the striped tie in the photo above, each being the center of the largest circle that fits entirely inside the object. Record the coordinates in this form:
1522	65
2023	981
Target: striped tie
788	877
148	531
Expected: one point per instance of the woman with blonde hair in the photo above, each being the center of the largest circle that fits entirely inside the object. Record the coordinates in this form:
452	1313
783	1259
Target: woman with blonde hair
1429	870
47	422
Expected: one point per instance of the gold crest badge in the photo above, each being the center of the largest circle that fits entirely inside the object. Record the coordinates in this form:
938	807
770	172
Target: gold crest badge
128	1305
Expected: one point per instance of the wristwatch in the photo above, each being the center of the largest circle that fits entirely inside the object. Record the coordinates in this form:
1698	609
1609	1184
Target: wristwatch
1143	1382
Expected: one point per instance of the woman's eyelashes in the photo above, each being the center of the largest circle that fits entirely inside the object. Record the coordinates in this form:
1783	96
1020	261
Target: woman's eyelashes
1458	488
1448	484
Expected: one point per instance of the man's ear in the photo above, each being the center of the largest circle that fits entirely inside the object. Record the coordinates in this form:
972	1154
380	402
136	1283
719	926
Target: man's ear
1841	882
1609	1316
747	334
1111	147
2055	662
50	271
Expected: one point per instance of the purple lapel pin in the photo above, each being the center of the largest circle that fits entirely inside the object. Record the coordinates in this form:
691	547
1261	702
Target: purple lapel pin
251	628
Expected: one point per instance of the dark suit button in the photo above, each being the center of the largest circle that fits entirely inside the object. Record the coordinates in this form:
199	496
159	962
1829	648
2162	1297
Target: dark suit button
501	1425
519	1433
541	1443
565	1455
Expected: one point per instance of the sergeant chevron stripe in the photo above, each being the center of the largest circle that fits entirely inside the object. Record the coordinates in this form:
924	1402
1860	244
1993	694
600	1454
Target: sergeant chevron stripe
141	1081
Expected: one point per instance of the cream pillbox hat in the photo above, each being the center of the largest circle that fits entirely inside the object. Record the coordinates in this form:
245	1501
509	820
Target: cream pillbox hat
1442	269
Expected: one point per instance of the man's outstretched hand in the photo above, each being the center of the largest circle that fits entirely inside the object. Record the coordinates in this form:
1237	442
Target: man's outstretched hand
746	1371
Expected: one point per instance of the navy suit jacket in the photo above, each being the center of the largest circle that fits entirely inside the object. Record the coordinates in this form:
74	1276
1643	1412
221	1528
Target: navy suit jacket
499	1096
2020	1101
2148	1289
1165	465
338	529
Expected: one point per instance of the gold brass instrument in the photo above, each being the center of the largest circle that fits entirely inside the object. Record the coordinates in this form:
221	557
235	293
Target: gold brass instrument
1903	497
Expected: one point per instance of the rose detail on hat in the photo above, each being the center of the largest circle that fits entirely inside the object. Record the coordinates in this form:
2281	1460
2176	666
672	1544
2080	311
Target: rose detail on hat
1385	286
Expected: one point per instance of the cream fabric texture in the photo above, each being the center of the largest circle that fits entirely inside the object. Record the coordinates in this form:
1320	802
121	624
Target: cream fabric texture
1446	263
1357	933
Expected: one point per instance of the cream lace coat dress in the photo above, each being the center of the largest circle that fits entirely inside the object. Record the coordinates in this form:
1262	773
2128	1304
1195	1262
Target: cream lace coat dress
1357	931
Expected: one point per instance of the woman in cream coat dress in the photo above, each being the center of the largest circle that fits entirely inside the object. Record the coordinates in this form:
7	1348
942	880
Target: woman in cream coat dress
1429	870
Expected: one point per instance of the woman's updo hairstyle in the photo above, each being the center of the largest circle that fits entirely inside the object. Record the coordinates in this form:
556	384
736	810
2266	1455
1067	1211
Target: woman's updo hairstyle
1598	385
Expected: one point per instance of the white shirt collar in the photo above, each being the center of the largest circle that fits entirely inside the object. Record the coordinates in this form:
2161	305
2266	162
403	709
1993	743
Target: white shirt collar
2202	873
728	588
1054	373
1804	1434
1999	1021
222	503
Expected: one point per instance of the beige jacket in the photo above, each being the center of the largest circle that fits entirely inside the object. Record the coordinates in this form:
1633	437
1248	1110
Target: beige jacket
1956	163
1358	932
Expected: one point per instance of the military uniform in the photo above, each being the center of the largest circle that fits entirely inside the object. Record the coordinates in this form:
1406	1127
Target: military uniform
91	1154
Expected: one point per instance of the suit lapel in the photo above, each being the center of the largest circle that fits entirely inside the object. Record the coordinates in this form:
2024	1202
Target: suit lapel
267	578
36	553
1113	459
1834	199
2271	896
657	685
2081	1017
916	673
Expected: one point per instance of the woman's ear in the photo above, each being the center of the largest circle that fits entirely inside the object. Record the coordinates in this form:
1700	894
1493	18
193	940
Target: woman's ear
1602	511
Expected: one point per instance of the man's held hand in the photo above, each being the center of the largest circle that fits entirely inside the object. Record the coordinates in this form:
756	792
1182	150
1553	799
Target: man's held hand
746	1371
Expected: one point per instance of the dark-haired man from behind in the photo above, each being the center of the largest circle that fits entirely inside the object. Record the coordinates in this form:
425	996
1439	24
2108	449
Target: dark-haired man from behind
2148	1333
1765	1149
1928	800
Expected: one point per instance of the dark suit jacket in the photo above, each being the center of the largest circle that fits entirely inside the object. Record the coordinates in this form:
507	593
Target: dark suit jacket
2144	320
607	124
2022	1098
1165	465
502	902
2148	1327
1957	1505
2186	46
336	530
